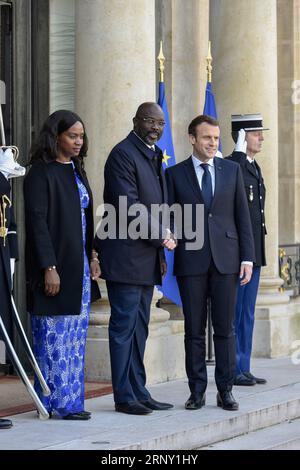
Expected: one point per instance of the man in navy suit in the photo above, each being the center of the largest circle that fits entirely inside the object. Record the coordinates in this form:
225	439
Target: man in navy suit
247	133
213	270
132	266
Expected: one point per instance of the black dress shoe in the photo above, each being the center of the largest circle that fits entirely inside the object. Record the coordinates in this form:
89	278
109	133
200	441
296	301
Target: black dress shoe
241	379
84	413
195	402
133	408
77	416
156	405
5	423
257	379
226	401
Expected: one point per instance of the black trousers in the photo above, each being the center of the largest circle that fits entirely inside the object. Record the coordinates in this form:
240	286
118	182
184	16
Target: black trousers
194	291
128	332
5	302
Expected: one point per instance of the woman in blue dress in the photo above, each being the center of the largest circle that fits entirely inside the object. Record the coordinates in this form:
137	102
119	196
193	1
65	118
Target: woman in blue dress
60	260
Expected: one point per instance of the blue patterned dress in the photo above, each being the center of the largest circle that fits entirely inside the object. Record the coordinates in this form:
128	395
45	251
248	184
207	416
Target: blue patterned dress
59	342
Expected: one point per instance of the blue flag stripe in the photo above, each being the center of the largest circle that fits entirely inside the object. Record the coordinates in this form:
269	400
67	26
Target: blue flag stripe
169	285
210	106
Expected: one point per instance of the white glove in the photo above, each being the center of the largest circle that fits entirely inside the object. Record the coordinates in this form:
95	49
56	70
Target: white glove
8	165
241	144
12	269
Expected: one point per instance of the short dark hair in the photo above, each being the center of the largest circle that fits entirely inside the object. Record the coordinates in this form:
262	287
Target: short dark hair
199	120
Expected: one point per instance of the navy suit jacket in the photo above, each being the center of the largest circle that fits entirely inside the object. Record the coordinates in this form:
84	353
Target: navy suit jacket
130	171
229	231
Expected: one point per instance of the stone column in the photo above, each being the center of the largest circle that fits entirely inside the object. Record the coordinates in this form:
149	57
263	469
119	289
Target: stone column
190	21
183	28
289	120
296	103
115	72
244	48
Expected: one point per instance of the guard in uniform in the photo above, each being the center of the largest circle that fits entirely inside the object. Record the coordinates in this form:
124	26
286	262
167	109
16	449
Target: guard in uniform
247	133
9	168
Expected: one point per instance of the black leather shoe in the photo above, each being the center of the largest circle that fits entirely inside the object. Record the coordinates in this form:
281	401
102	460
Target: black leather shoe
195	402
226	401
84	413
257	379
156	405
241	379
5	423
77	416
134	408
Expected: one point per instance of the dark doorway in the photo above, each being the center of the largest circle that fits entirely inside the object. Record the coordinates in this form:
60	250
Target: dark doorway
24	68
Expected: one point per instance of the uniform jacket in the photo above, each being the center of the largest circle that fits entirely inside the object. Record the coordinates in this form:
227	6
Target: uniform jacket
256	195
8	250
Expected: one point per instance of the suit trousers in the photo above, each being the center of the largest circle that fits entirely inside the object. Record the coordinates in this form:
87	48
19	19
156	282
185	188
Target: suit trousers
194	291
128	332
244	321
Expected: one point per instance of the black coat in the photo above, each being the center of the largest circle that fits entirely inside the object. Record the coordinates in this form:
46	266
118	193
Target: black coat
256	195
54	237
130	171
7	251
229	226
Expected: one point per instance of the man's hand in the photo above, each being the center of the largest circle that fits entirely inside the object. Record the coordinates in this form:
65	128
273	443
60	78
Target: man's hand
52	282
169	243
245	274
163	268
241	144
95	269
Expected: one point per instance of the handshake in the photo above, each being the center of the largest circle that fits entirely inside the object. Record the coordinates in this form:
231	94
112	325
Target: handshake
170	241
241	144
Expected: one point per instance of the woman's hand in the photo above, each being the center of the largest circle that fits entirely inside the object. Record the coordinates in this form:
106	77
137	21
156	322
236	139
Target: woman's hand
95	269
52	282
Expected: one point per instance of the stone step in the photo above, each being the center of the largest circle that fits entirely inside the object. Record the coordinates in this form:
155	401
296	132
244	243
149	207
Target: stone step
261	407
181	429
284	436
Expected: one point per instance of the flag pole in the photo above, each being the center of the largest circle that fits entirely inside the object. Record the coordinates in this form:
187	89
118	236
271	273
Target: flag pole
209	63
210	359
161	59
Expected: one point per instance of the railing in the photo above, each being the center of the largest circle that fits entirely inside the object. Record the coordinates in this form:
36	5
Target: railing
289	268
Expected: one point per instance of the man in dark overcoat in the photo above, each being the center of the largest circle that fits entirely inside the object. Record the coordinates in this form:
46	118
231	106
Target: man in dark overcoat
247	133
132	266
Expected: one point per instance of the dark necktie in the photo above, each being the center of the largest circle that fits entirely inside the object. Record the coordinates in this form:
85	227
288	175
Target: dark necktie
157	163
255	168
207	192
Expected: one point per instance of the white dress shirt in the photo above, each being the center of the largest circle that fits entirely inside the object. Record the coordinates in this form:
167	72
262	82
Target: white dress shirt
199	171
152	147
